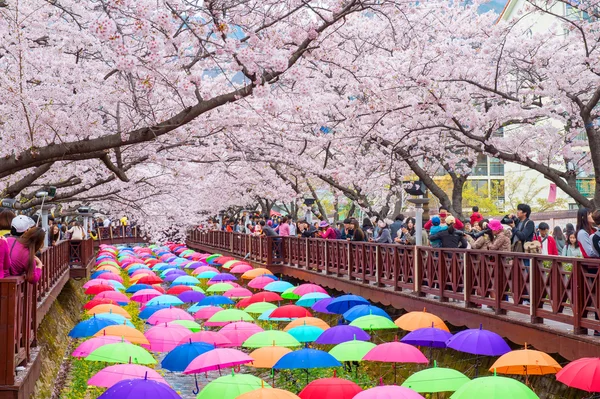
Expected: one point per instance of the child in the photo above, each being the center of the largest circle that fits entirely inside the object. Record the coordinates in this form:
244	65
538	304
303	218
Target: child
436	227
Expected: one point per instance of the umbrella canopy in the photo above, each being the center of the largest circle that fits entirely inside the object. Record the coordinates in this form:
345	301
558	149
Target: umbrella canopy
207	274
143	296
110	276
342	333
268	393
267	316
228	316
217	359
267	356
271	337
436	379
121	353
129	333
237	293
165	337
149	280
216	300
179	289
526	362
494	388
91	326
190	325
364	310
99	288
308	321
344	303
260	282
240	268
389	392
321	306
306	359
109	376
223	277
289	294
169	314
305	333
264	297
182	355
396	352
310	299
231	386
414	320
259	271
260	307
478	341
165	300
291	312
109	309
221	287
210	337
372	322
239	332
351	351
431	337
185	280
582	374
230	263
95	302
277	286
190	296
137	287
337	388
304	289
90	345
150	310
206	311
140	388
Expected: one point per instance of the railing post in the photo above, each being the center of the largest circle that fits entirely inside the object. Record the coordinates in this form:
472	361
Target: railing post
533	292
326	257
307	262
349	258
417	270
377	267
269	251
577	289
468	281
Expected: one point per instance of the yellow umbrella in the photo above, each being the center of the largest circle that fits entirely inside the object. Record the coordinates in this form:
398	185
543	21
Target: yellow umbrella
250	274
105	308
129	333
307	321
268	393
412	321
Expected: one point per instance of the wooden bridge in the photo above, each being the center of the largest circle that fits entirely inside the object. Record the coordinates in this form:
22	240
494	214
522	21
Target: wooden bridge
23	306
550	302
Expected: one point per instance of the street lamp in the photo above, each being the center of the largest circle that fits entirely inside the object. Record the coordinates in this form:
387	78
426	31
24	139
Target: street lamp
419	202
309	201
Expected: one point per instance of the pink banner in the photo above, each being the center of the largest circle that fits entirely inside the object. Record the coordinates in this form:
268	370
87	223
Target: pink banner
552	193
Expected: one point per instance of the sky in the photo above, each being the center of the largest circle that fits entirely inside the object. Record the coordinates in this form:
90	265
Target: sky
496	5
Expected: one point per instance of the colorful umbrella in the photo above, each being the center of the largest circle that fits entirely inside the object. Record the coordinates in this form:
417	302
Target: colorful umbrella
109	376
239	332
149	280
185	280
150	310
304	289
231	386
436	379
91	326
237	293
182	355
217	359
190	296
250	274
99	288
165	337
179	289
342	333
240	268
268	393
494	388
208	274
228	316
260	282
190	325
364	310
582	374
290	312
526	362
305	333
431	337
169	314
109	309
143	296
260	307
121	353
223	277
129	333
389	392
216	300
351	351
90	345
478	341
307	321
165	300
333	388
95	302
137	287
271	337
414	320
140	388
306	359
344	303
206	312
210	337
395	352
266	316
310	299
277	286
372	322
267	356
321	306
264	297
221	287
110	276
230	263
289	294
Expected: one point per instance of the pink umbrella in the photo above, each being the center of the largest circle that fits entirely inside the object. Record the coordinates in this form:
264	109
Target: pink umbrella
110	276
217	359
113	296
207	312
95	281
240	269
240	331
109	376
143	296
210	337
201	269
87	347
388	392
395	352
238	293
143	271
260	282
169	314
165	337
304	289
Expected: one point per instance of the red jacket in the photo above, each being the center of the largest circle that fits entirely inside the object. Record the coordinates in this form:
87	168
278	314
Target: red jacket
457	225
476	217
552	248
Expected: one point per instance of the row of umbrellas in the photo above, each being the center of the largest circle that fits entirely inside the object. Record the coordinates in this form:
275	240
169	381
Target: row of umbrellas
192	349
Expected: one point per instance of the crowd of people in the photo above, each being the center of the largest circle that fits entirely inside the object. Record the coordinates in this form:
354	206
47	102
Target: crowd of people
512	233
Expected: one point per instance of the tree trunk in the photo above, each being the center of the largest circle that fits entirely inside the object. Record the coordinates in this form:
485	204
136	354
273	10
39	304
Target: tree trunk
458	183
351	210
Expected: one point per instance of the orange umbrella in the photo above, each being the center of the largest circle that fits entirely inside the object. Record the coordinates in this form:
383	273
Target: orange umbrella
139	276
250	274
526	362
266	357
129	333
109	309
412	321
307	321
268	393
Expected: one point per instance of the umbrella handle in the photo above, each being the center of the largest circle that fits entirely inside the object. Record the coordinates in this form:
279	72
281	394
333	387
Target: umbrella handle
197	390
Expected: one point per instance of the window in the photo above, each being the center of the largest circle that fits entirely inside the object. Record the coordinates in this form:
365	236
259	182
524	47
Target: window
481	168
499	133
586	186
496	167
573	206
480	186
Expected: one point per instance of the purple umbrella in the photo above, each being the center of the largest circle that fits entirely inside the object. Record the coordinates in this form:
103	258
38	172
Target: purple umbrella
191	296
171	277
343	333
176	271
430	336
321	306
194	265
223	277
139	388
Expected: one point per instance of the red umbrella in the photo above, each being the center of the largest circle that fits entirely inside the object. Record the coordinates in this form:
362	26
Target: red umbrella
582	374
244	303
96	289
337	388
148	280
221	260
178	289
290	312
100	301
158	288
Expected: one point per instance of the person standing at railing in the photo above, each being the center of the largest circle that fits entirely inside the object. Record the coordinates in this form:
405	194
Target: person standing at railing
523	228
22	250
571	248
306	230
385	236
284	228
501	241
4	259
559	237
76	232
585	231
6	218
451	237
548	242
327	232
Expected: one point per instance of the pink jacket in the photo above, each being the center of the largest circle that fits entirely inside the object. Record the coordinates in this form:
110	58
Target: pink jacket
19	260
329	234
283	229
4	259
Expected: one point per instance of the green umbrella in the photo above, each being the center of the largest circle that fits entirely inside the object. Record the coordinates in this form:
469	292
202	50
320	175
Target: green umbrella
195	288
220	287
351	351
373	322
494	388
229	315
260	307
288	294
190	325
213	256
231	386
121	352
436	379
270	338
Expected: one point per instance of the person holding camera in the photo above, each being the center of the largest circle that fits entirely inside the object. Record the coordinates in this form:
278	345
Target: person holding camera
522	227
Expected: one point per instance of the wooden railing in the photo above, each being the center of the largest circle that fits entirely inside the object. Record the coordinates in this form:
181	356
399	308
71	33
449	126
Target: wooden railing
120	234
21	301
561	289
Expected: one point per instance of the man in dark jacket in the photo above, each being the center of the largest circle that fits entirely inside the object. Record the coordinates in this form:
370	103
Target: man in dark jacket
268	230
307	230
348	229
397	225
522	227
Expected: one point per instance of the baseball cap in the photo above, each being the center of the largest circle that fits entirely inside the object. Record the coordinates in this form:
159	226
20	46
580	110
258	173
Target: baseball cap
450	220
22	223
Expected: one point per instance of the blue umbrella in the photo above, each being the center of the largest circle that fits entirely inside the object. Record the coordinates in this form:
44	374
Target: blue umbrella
137	287
165	300
181	356
136	267
278	286
118	286
344	303
321	306
150	310
196	307
307	300
91	326
364	310
306	359
207	274
270	276
115	317
305	333
99	272
216	300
